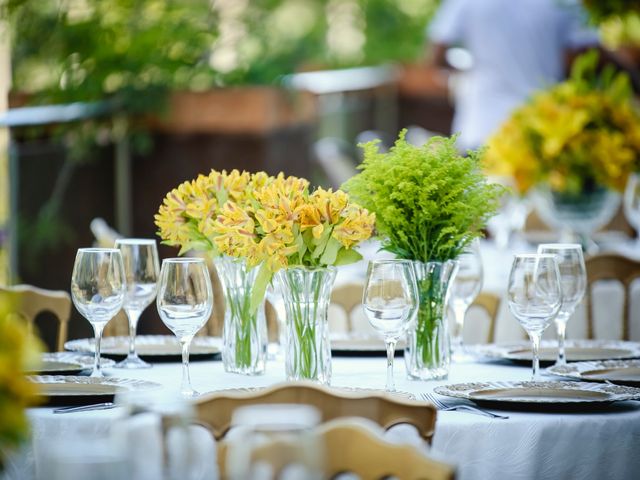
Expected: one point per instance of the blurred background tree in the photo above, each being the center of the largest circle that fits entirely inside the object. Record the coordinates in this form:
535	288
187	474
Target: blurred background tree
87	50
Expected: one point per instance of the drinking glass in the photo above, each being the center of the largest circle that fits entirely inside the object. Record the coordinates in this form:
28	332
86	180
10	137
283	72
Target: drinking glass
573	281
535	297
632	203
466	287
97	289
390	301
141	267
184	302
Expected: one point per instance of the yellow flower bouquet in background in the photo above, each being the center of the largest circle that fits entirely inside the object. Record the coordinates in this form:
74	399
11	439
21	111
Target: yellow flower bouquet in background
19	351
285	229
573	145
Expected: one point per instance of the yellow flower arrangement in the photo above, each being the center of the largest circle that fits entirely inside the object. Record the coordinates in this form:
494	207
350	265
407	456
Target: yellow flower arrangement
286	225
581	133
187	215
18	351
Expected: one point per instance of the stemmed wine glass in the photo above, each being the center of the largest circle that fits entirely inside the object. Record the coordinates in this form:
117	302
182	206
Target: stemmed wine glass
466	287
390	301
184	302
573	281
535	297
97	289
632	203
141	268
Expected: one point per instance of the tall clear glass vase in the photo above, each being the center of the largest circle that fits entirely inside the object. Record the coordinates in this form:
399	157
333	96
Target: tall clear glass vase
244	334
306	293
427	355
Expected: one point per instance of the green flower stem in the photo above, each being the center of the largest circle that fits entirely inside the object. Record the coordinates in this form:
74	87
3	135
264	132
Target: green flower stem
240	306
430	316
306	334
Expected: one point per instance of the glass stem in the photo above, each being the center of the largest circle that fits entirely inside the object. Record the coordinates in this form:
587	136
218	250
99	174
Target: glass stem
186	388
561	325
133	316
97	331
391	349
535	349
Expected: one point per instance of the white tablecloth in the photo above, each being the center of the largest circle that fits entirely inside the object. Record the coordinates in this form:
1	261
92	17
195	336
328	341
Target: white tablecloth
594	445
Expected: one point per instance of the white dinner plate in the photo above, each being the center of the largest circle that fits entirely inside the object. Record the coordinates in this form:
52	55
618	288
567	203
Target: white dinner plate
576	351
151	347
71	390
623	372
501	394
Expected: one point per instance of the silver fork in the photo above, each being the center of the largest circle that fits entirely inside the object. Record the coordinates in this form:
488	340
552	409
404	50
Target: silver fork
428	397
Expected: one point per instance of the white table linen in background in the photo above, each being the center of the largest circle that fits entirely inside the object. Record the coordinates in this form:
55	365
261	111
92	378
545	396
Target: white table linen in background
595	445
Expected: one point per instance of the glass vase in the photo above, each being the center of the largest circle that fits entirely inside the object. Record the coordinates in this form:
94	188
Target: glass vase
576	216
244	333
306	293
427	355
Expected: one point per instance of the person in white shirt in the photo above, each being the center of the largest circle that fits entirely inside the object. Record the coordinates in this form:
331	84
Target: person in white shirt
517	47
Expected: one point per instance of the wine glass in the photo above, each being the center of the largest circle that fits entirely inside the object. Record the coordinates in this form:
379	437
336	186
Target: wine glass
98	289
184	302
465	288
141	267
390	300
632	203
535	297
573	281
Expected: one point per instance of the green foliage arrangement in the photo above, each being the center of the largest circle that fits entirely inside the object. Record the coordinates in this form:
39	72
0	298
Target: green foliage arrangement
430	201
600	10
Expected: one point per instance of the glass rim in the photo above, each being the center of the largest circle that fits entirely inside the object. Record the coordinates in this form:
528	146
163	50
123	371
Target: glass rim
134	241
97	250
560	246
183	260
535	255
391	260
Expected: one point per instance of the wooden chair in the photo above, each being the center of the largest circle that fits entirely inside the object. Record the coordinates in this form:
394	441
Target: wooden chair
355	446
215	409
490	303
28	302
611	267
348	297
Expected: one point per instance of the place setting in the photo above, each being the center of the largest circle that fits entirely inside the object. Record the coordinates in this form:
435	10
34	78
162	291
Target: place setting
542	288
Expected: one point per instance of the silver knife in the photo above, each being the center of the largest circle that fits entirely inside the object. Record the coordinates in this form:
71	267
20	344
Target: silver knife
85	408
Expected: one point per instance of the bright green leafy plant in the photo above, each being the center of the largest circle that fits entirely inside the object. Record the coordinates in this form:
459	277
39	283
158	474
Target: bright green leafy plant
430	203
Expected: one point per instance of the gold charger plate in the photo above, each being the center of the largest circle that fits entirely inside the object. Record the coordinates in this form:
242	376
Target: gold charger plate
532	394
361	345
576	351
71	390
151	347
623	372
66	363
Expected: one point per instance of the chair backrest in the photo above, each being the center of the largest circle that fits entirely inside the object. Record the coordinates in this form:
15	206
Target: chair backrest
355	446
348	297
490	303
611	267
28	302
215	409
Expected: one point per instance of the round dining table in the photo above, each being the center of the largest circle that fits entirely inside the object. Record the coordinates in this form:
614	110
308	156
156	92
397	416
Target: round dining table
579	444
